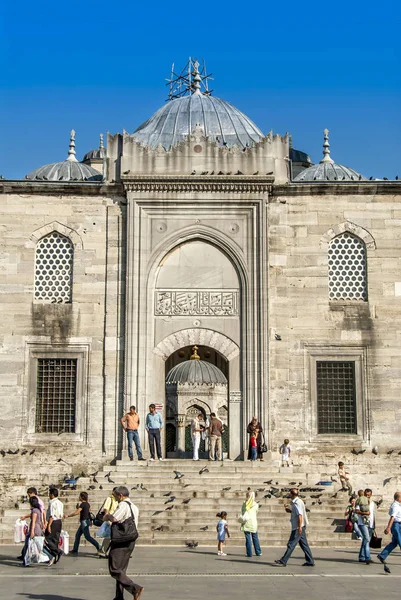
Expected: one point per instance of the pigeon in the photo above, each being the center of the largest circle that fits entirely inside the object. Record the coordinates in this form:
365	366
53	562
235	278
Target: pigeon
61	431
110	480
186	501
375	450
307	509
293	483
191	543
220	173
178	475
157	512
267	496
316	495
61	460
226	489
204	172
24	452
212	173
228	172
16	505
143	488
277	337
205	528
92	487
107	474
160	528
193	172
398	453
261	489
333	479
171	499
239	172
361	451
353	451
335	495
100	487
379	503
269	173
387	480
168	494
93	474
95	480
2	452
126	172
13	451
169	508
32	452
151	496
256	173
269	482
387	569
390	452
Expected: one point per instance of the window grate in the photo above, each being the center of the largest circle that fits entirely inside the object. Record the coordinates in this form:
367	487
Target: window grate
56	385
336	397
53	269
347	268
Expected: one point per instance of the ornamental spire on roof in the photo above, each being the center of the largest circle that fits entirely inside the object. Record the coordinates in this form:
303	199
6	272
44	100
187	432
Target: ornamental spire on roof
326	152
193	79
101	141
71	151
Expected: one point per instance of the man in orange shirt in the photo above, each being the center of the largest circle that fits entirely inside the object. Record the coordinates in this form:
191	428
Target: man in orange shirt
130	423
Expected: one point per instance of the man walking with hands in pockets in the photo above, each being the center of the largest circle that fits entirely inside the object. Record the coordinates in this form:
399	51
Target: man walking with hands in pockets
299	521
154	425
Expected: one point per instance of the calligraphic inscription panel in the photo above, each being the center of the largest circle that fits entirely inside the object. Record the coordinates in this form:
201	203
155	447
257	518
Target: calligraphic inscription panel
208	303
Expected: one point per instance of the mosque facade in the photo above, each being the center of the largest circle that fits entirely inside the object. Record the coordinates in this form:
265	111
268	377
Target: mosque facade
198	236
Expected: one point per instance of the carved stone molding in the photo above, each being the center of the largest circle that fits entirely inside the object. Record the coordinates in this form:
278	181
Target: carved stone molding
220	303
232	186
199	336
353	228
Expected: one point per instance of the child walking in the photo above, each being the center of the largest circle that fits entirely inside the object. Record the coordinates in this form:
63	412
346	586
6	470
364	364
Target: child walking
254	445
222	531
285	450
344	479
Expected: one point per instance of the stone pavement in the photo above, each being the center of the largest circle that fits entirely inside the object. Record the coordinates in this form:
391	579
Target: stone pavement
177	573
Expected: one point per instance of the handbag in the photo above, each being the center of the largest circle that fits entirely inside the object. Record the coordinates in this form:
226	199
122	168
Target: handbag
243	518
263	447
349	526
92	518
124	531
98	519
375	542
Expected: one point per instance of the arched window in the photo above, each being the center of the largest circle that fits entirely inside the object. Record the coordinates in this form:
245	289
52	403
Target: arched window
347	268
53	269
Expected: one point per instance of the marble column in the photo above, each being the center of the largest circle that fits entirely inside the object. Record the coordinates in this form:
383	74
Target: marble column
180	421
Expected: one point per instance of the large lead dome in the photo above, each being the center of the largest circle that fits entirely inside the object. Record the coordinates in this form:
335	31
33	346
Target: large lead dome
220	121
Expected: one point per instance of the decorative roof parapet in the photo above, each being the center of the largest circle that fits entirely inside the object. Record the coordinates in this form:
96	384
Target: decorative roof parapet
215	184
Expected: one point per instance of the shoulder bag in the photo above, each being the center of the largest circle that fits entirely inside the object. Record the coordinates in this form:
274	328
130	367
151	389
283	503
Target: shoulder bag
98	519
375	542
263	447
124	531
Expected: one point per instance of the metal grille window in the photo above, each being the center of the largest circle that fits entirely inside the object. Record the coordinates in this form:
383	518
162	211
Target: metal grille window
56	395
336	397
347	268
53	269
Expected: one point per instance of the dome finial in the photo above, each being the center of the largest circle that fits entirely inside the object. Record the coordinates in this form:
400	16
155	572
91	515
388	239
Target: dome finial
326	152
196	79
194	355
101	141
71	151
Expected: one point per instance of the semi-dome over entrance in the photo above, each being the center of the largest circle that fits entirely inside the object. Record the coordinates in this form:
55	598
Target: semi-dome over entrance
220	121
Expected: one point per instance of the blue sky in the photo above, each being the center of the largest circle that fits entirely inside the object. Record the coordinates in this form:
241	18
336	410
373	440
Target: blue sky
290	66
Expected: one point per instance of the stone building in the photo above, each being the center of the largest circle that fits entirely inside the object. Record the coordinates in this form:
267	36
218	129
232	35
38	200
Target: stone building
199	230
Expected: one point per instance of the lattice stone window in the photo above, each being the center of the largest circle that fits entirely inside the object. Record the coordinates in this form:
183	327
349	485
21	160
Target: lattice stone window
53	269
347	268
336	397
56	395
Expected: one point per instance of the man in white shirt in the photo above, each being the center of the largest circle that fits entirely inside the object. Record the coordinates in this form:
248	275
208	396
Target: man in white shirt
299	521
366	524
394	525
196	435
54	516
120	553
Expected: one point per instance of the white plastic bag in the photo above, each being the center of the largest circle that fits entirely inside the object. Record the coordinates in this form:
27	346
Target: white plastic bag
64	543
104	530
19	531
35	554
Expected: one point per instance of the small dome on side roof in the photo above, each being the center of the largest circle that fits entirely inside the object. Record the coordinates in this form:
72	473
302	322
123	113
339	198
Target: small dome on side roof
97	153
327	169
196	371
66	170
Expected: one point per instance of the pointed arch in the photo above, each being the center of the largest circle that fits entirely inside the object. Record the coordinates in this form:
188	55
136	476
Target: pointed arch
197	336
352	228
67	232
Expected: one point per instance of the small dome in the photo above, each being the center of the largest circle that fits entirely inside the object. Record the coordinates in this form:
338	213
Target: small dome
97	153
327	169
219	120
196	371
66	170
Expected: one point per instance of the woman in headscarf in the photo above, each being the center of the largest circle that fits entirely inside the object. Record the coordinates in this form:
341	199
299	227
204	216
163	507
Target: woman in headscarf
249	524
255	426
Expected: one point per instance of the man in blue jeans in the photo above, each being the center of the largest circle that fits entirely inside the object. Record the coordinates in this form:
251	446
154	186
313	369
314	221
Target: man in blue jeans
130	423
365	508
394	525
299	521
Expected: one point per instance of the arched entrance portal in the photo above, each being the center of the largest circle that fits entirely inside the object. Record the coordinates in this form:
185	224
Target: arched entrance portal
196	383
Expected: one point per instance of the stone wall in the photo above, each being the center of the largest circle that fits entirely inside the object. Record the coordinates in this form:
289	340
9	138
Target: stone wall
90	327
302	220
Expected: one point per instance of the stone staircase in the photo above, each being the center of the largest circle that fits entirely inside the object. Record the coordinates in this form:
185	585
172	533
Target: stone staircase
207	497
